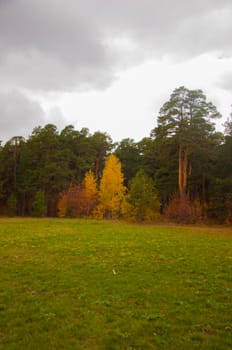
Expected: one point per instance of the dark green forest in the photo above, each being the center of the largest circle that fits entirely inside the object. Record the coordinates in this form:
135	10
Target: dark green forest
186	161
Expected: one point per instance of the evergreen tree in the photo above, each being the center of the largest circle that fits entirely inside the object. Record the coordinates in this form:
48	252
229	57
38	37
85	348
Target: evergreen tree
186	138
39	207
129	155
11	205
142	198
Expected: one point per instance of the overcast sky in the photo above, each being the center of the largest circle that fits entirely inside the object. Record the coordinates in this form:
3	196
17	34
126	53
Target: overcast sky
109	65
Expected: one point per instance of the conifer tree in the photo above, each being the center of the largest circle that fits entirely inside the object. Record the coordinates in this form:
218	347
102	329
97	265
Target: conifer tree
39	207
187	119
142	201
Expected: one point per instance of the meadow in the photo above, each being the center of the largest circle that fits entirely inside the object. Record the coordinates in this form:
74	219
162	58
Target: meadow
82	284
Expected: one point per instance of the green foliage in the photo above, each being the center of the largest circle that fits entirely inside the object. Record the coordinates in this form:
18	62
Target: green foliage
130	157
220	207
79	284
186	128
11	205
39	207
228	126
142	199
49	161
183	154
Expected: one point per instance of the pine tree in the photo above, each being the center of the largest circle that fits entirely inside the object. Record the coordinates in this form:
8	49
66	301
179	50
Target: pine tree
11	205
39	208
186	119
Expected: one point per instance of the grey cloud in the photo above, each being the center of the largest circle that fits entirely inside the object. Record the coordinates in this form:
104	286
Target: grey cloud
57	45
19	115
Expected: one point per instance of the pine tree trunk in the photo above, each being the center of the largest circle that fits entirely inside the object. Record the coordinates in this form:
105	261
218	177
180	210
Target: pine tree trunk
183	171
180	171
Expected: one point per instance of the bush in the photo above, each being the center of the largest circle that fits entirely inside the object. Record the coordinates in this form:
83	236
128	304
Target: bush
181	210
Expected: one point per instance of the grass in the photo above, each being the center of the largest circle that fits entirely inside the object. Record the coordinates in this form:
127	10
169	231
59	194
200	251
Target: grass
72	284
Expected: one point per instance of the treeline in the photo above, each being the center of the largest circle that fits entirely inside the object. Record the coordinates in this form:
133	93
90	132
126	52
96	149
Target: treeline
183	171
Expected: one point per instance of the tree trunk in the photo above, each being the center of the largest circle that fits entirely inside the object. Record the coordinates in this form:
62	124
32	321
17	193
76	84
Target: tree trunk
203	190
183	171
180	171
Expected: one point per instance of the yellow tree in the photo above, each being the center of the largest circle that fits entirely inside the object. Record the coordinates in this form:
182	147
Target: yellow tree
112	190
90	192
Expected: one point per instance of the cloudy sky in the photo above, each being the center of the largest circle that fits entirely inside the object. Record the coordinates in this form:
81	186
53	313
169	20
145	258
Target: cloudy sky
109	65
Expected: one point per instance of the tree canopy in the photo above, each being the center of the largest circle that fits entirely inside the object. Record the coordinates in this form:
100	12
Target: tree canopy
184	163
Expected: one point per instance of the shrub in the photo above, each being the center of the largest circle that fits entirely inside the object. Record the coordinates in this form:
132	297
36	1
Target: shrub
181	210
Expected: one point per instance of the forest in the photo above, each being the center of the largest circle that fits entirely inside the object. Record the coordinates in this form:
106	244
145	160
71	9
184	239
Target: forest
181	172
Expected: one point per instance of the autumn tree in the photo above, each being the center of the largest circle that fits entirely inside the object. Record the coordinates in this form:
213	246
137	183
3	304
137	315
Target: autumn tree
79	200
62	204
112	190
90	192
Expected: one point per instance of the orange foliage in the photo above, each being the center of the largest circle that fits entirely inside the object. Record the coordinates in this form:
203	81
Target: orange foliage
181	210
79	200
62	205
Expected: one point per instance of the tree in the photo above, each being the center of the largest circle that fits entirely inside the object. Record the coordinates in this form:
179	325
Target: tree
142	199
79	200
129	155
221	188
228	126
62	205
11	205
112	190
10	158
90	191
38	206
185	120
101	146
44	166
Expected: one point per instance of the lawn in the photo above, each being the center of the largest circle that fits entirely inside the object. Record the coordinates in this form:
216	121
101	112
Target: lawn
76	284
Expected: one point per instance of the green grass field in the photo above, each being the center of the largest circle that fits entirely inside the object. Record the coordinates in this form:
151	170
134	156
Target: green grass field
72	284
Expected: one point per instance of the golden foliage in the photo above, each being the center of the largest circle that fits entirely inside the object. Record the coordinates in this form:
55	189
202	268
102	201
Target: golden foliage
79	200
90	192
112	190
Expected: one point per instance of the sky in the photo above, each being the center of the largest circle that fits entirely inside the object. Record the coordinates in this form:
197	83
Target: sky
109	65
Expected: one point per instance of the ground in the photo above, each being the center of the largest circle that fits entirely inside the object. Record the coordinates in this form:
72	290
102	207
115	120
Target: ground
82	284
